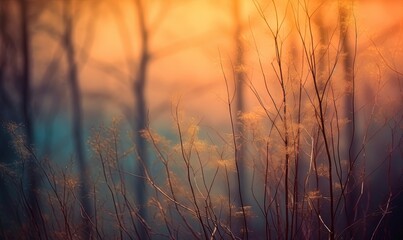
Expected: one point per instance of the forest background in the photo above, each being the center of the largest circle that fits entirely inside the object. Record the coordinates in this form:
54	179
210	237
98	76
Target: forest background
139	119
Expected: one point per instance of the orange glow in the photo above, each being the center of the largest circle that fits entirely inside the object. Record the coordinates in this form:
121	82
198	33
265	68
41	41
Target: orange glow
280	119
188	39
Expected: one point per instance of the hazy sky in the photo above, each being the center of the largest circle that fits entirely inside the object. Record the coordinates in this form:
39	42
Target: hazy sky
187	38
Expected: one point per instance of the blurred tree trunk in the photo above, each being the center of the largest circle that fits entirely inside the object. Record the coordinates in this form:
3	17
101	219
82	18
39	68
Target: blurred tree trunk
77	117
7	115
141	112
140	80
321	77
27	119
240	77
348	150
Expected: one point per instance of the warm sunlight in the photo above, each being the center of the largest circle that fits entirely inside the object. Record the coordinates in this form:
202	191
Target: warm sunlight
189	37
201	119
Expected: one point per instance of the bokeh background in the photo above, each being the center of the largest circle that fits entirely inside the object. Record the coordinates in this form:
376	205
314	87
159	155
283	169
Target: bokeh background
70	66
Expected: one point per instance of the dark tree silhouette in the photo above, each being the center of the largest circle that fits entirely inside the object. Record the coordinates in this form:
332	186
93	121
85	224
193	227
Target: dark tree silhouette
140	104
77	116
8	108
33	207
